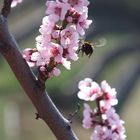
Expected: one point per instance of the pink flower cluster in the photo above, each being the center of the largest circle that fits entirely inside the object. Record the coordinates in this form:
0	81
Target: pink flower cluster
104	119
62	27
15	2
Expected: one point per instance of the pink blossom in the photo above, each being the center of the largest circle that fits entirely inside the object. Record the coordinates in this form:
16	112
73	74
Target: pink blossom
66	64
57	9
70	52
87	121
56	52
42	57
84	83
120	130
78	5
83	23
109	96
27	56
105	86
89	90
58	41
110	93
43	41
42	68
15	2
47	25
115	123
101	133
56	72
116	136
107	104
111	116
69	36
104	133
108	125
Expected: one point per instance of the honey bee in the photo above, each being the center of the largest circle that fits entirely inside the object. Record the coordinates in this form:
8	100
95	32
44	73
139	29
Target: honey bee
87	48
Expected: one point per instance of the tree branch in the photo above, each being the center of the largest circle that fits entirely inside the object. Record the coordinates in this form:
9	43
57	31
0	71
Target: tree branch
6	8
35	91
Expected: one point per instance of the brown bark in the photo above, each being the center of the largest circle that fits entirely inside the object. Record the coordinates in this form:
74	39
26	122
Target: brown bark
32	87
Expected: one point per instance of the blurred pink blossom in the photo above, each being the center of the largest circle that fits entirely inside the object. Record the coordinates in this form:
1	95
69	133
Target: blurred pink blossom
106	122
15	2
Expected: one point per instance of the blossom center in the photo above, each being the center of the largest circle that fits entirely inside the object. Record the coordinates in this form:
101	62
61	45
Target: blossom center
55	51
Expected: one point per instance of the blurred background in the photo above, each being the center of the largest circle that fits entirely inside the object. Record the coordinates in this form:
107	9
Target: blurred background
115	24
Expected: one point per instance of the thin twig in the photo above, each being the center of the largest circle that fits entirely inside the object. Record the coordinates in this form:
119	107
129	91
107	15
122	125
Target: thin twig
73	114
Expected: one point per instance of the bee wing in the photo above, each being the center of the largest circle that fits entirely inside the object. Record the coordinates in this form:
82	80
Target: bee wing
101	42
